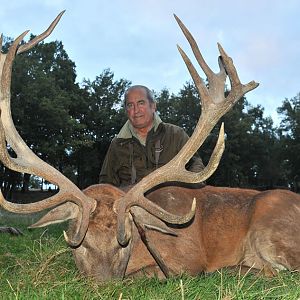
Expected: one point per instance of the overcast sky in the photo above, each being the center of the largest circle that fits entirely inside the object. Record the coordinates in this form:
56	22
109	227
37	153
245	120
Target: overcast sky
137	39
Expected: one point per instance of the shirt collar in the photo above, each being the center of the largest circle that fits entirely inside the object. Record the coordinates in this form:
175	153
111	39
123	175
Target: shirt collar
127	131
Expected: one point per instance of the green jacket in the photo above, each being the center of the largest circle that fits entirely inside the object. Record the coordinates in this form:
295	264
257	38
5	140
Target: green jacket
128	160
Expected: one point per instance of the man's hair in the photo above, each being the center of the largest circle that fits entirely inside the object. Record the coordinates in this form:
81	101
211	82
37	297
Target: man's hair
149	94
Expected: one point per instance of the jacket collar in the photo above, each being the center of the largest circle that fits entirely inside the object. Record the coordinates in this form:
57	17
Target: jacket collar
127	131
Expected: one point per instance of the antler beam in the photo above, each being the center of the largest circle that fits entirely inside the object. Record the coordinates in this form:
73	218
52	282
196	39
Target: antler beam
214	105
26	161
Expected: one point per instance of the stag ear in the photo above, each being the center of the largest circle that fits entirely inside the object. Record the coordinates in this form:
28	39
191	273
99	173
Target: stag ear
59	214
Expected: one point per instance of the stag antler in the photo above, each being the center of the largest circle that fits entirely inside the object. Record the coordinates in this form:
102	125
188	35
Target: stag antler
26	161
214	105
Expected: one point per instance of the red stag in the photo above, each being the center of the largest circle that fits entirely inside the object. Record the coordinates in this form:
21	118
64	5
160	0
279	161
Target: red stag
171	229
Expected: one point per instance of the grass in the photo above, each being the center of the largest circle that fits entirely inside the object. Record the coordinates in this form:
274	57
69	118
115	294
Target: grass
39	265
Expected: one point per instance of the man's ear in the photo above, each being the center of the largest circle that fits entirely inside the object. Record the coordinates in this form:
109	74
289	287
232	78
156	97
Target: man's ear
154	105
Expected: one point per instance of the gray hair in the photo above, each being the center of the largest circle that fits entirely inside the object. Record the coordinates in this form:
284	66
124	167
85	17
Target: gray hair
149	93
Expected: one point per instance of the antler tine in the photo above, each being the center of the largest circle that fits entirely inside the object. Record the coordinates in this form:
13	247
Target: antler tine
27	162
206	69
214	106
40	37
235	82
201	87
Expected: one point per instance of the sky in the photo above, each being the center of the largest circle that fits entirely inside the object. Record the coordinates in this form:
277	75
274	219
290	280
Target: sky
137	39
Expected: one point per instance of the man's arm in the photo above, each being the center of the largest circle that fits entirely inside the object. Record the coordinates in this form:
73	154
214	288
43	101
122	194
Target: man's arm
107	173
195	164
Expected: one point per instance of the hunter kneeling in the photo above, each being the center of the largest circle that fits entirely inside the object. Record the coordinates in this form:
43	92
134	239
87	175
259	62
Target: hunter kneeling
144	143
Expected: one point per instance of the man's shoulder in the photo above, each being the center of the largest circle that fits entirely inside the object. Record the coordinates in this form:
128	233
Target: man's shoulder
117	141
172	128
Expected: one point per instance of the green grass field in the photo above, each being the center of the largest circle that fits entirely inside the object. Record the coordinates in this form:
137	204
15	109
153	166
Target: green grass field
39	265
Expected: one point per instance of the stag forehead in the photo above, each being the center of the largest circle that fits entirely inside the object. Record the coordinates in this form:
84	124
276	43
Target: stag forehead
104	217
106	196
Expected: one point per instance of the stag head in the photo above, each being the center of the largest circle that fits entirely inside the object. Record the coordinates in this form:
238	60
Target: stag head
105	219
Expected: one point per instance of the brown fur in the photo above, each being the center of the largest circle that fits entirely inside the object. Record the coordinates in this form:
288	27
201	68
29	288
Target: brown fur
231	227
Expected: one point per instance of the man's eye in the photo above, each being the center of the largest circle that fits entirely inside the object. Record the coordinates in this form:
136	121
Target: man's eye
129	105
141	102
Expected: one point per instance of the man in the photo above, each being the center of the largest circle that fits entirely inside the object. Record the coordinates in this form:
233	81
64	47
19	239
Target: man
144	143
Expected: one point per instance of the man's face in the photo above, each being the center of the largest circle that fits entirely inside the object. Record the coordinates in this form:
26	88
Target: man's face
139	110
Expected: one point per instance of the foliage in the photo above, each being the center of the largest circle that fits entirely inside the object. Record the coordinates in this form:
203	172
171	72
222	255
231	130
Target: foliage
251	157
43	96
68	126
289	132
103	118
182	109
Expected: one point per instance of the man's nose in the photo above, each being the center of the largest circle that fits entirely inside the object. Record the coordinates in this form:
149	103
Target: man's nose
136	108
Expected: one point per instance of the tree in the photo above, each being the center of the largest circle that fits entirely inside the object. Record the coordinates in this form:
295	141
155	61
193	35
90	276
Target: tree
289	132
43	95
182	109
249	159
103	119
251	151
67	125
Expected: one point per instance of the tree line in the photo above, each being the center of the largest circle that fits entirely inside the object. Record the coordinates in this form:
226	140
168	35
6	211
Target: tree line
70	125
